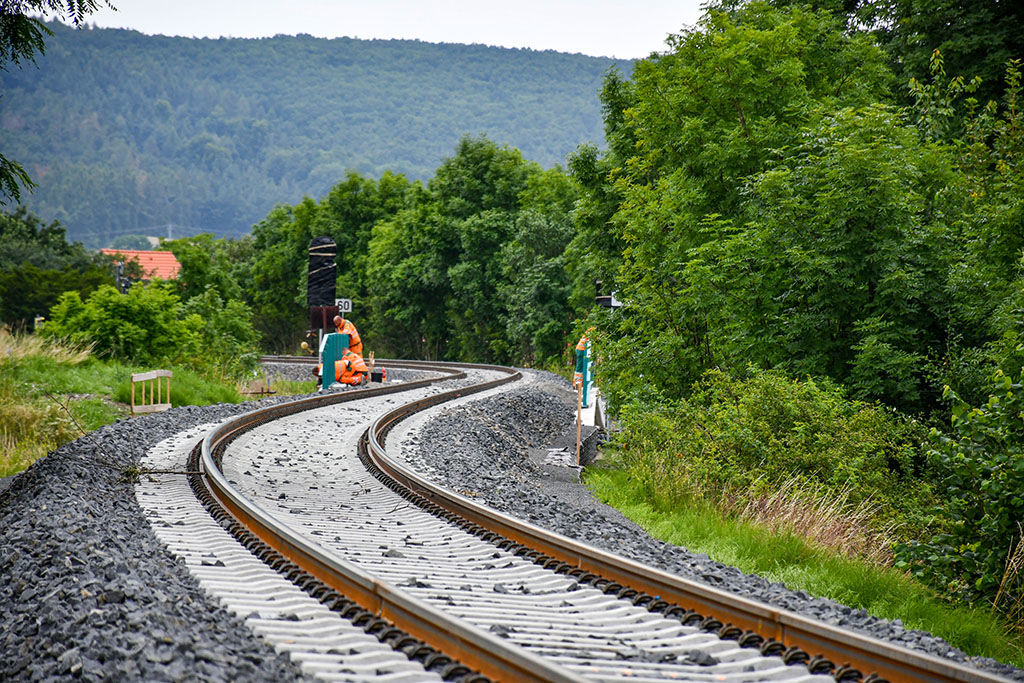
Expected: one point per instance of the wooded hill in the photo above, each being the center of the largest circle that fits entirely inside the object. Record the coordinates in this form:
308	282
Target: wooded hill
127	133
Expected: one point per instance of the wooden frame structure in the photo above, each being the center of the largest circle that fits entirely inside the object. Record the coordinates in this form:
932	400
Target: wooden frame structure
153	377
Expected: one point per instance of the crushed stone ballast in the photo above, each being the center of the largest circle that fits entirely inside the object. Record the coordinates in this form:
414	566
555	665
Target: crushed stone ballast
301	470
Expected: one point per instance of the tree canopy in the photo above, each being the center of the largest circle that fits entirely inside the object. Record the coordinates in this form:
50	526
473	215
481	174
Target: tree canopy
22	38
209	135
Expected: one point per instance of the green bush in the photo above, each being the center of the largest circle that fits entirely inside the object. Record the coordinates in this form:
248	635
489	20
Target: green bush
980	470
737	438
145	325
228	343
149	325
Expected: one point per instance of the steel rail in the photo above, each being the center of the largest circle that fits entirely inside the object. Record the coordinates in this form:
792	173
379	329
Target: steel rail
472	647
390	362
851	652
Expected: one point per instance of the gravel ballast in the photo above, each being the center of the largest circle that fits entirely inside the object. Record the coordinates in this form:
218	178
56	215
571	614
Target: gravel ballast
493	450
87	590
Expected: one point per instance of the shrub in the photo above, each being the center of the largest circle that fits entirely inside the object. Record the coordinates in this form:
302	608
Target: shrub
145	325
980	470
739	441
228	343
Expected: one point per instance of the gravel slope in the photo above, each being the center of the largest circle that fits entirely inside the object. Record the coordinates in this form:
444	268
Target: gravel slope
493	449
86	589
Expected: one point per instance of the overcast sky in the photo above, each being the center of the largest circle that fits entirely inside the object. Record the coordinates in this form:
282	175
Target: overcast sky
607	28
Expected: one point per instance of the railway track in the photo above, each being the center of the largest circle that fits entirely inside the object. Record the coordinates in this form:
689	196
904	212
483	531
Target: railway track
468	593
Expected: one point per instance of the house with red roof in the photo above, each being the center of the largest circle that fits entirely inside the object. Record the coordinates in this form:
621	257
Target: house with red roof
161	264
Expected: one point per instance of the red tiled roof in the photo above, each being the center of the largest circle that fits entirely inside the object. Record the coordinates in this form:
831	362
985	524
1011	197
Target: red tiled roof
161	264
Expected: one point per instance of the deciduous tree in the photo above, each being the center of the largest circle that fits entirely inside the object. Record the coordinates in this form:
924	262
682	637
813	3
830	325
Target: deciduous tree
22	36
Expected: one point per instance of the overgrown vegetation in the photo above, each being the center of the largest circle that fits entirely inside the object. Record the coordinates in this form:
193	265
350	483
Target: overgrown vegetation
979	555
149	324
795	454
32	422
51	390
787	556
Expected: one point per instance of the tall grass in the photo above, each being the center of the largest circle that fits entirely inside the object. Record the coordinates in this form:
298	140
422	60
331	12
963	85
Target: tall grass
1013	576
786	556
31	423
38	375
15	347
824	517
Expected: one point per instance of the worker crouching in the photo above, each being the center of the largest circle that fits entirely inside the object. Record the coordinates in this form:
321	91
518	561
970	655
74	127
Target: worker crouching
351	369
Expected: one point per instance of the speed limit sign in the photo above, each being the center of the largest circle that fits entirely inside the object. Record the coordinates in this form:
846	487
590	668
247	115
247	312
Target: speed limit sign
344	305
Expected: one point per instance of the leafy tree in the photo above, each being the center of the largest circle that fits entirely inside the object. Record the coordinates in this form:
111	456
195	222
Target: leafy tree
205	264
354	205
228	345
992	160
535	285
439	261
409	259
534	288
840	268
25	239
595	252
37	264
730	96
475	311
27	291
21	37
985	281
480	176
976	38
280	245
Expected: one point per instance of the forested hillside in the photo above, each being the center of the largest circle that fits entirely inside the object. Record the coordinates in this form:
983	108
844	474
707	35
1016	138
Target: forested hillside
124	131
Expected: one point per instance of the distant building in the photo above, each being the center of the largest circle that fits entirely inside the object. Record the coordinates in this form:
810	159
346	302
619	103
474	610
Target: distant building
161	264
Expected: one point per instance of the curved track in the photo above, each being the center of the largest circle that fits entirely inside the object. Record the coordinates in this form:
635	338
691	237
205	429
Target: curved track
471	592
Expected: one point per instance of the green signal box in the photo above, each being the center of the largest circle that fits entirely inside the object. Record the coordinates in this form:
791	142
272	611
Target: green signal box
331	350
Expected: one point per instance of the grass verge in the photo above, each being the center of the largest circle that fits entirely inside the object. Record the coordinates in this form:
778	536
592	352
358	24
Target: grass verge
41	382
285	387
788	558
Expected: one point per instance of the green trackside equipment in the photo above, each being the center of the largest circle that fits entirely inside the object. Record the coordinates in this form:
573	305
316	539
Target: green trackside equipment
332	348
584	366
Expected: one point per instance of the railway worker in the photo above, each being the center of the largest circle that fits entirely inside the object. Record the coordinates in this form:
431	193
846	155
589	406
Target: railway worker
354	369
346	327
351	369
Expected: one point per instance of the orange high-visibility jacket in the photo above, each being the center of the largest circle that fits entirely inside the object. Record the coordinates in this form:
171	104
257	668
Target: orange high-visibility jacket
350	369
354	342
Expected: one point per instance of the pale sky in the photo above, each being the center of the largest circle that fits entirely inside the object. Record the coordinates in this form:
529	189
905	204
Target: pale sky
604	28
